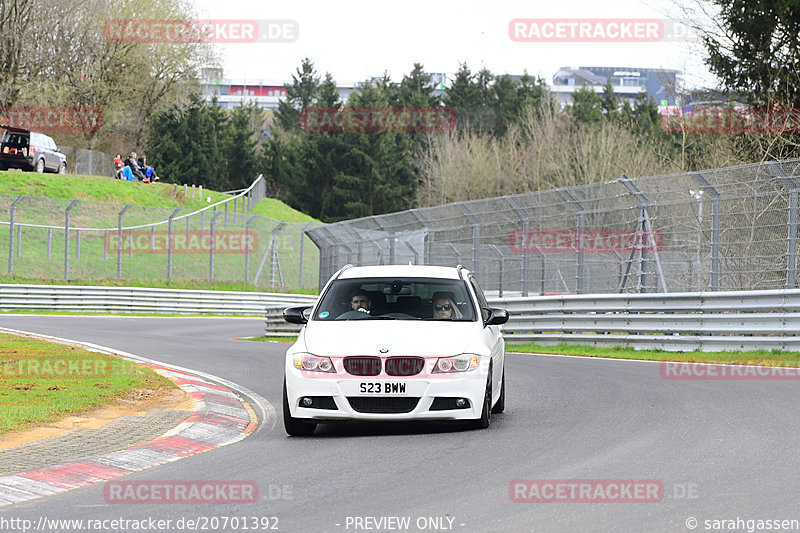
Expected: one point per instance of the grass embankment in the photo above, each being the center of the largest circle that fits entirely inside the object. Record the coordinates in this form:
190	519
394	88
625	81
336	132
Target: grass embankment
96	261
42	381
105	189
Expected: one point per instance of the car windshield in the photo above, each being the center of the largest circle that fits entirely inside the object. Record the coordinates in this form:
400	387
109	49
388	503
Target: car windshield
396	299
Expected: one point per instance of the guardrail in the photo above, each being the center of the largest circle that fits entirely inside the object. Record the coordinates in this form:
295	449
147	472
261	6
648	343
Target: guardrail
706	321
142	300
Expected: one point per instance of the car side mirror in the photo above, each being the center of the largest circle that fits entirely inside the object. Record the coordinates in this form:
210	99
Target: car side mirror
496	316
296	315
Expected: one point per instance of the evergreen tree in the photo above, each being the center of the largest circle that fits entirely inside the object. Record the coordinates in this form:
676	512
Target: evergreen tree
587	106
300	95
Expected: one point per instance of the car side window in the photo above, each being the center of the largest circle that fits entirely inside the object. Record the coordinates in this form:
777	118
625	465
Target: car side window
481	298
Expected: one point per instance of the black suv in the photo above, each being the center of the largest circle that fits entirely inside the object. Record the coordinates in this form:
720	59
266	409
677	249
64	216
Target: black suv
30	150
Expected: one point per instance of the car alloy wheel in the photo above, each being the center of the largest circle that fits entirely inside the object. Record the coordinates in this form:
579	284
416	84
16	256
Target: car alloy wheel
486	413
62	169
40	166
500	406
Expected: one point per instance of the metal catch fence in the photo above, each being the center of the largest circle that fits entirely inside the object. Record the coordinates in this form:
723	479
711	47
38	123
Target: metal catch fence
717	230
48	238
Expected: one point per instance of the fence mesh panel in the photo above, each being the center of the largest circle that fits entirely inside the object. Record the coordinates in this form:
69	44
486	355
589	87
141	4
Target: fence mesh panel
113	241
723	229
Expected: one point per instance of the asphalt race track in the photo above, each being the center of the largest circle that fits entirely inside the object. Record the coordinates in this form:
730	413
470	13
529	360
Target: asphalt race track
721	449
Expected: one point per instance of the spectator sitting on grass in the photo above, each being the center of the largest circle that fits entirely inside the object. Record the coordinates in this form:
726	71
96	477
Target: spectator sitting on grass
134	166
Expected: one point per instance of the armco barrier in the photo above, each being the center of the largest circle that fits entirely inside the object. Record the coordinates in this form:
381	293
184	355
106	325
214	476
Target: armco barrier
142	300
707	321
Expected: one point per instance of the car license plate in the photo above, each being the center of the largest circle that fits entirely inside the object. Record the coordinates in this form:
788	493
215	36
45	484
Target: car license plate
382	387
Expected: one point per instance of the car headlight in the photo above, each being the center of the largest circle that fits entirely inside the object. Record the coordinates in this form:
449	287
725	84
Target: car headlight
460	363
314	363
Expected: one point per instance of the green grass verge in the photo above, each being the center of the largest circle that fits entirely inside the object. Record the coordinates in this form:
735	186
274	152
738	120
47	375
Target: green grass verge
154	283
41	381
102	189
106	189
269	339
755	357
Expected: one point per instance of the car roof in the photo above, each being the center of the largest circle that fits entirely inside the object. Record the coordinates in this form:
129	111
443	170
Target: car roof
14	129
400	271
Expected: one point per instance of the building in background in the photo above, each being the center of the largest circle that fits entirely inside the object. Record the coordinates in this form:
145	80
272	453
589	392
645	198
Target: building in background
660	85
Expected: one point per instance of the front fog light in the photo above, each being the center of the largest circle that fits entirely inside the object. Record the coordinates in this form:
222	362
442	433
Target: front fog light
306	401
460	402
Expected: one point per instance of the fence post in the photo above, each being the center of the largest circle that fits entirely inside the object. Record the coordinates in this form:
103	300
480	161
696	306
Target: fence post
77	244
11	234
170	239
119	240
247	248
644	204
476	237
225	218
502	268
268	252
715	229
791	253
49	239
389	231
576	205
212	225
302	243
522	213
427	244
66	239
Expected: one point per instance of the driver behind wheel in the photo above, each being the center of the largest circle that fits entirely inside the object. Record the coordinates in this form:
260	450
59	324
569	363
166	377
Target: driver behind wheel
360	302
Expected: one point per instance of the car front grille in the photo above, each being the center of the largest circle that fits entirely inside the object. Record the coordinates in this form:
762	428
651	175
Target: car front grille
404	366
363	366
382	404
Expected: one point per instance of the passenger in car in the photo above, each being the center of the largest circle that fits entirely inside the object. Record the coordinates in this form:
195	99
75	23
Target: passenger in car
444	306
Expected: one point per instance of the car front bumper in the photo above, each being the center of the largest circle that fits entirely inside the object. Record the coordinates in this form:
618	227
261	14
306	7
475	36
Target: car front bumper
352	402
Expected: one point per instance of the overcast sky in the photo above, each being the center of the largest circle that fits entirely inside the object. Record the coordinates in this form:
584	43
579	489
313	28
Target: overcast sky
357	39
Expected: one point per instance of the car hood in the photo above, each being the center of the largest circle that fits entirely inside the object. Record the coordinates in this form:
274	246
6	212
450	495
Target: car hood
399	337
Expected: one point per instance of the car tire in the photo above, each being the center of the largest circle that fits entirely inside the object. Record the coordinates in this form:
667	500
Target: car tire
39	166
294	426
500	406
62	168
486	412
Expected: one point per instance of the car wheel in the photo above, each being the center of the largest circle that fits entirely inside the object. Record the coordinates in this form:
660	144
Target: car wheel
500	406
62	168
486	413
40	166
294	426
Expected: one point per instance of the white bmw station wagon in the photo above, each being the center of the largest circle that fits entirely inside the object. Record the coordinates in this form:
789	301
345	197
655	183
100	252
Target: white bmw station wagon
396	342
